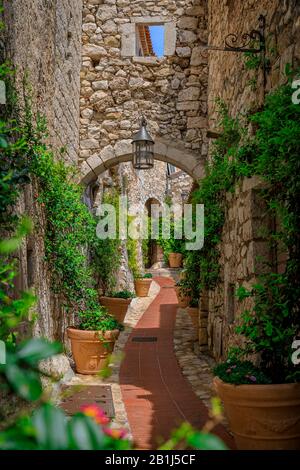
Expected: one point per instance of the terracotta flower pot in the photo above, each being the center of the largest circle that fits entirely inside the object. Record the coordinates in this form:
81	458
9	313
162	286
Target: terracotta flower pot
175	260
262	417
194	315
142	286
183	301
91	349
116	306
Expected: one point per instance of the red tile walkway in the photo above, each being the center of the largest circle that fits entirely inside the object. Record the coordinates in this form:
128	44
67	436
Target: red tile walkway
156	395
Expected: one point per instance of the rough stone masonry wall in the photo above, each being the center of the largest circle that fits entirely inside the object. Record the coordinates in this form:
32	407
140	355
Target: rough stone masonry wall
43	39
116	88
228	78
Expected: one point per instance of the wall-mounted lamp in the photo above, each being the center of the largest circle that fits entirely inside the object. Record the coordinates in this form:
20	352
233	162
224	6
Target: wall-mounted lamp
143	153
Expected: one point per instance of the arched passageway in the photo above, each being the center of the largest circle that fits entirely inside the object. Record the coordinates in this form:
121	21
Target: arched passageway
122	152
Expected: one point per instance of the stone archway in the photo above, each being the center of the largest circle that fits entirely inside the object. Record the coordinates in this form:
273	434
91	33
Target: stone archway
122	152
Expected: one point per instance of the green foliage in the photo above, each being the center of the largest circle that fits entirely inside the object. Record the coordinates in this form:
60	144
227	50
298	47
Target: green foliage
49	429
273	154
169	243
12	309
240	372
132	253
123	294
270	326
70	229
98	320
20	372
144	276
106	254
252	61
221	175
190	285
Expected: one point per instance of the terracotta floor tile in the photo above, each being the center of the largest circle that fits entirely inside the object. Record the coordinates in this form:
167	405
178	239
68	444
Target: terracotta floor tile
156	395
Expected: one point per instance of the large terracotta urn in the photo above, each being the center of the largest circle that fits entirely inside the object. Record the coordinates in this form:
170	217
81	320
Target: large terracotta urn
91	349
142	286
175	260
116	306
262	417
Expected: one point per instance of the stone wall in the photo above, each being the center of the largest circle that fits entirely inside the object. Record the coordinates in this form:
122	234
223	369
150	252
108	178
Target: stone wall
243	90
240	88
179	186
43	40
244	254
117	88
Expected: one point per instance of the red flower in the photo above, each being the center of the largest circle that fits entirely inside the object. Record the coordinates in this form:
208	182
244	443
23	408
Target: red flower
115	433
96	413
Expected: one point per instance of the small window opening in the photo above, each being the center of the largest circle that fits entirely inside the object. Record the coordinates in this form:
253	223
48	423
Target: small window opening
150	40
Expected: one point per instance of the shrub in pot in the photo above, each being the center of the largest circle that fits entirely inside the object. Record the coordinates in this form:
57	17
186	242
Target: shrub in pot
142	284
173	248
117	303
261	396
183	298
93	340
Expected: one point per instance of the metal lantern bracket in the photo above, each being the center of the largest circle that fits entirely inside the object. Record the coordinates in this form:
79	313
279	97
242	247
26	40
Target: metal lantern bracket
242	43
232	43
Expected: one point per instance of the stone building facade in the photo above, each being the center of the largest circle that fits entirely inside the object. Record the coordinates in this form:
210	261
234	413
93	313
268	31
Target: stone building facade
118	87
43	40
243	247
86	77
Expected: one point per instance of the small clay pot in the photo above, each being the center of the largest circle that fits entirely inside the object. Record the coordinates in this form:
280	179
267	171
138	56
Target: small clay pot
262	417
117	307
142	286
91	349
175	260
183	301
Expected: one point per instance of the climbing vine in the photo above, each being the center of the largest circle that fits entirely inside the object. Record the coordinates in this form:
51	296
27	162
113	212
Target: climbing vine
273	154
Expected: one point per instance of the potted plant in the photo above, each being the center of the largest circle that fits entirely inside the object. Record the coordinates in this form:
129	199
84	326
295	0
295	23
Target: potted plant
183	298
173	250
173	247
142	284
93	340
259	383
117	303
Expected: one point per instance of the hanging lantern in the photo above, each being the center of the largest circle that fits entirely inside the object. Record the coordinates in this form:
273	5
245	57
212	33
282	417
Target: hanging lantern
143	155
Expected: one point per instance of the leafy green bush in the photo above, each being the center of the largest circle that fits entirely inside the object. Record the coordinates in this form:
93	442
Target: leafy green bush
144	276
170	244
240	372
122	294
272	153
106	254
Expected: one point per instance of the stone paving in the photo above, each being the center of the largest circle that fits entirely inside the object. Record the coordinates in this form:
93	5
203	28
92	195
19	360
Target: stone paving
134	313
191	370
157	396
196	367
